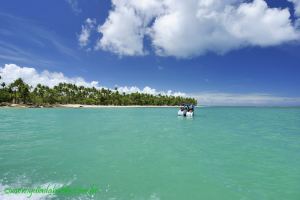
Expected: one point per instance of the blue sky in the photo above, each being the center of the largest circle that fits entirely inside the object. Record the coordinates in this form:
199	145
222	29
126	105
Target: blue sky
237	57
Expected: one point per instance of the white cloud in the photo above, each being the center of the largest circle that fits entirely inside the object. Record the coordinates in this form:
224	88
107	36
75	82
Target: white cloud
86	29
296	6
230	99
74	6
124	30
11	72
297	12
148	90
194	27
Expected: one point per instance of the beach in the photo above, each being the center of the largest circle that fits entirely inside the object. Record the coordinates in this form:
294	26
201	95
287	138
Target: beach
11	105
112	106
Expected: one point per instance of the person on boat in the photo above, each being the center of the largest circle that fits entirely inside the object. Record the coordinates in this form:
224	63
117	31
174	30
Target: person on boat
186	107
182	108
190	108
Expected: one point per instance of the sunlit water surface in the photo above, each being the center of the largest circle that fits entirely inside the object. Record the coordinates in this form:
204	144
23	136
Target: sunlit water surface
151	154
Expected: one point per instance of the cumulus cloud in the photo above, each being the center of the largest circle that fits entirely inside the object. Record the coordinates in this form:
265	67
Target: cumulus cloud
148	90
194	27
126	26
296	6
86	30
124	30
229	99
297	12
11	72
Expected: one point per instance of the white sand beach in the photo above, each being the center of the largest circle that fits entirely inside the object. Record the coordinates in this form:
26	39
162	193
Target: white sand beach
110	106
11	105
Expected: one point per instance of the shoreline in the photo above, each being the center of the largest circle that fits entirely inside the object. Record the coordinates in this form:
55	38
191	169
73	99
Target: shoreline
112	106
10	105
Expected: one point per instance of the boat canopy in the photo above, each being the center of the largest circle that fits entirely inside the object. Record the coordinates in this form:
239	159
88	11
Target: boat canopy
188	106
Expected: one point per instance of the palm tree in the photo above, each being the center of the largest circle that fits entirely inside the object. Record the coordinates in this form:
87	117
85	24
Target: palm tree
71	93
2	84
21	90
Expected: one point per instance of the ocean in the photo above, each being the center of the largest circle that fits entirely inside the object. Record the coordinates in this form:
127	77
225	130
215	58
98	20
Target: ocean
222	153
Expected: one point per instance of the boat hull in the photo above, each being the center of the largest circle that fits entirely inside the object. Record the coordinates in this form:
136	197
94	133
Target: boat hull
181	113
190	114
185	113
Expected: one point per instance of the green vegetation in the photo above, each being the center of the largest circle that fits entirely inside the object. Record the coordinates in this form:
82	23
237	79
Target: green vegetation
66	93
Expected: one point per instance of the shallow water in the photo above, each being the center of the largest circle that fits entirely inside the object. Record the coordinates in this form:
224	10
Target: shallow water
223	153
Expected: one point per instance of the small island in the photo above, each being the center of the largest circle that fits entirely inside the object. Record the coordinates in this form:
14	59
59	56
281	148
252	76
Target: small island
20	94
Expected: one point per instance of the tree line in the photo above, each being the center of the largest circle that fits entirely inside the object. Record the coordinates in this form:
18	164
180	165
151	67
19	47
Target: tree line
20	92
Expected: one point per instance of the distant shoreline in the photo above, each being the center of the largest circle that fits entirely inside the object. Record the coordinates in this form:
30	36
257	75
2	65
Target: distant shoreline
112	106
10	105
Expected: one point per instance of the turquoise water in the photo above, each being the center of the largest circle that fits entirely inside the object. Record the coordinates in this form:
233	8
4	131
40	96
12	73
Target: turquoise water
151	154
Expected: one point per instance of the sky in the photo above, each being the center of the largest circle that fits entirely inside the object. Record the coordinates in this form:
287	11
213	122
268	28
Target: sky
229	52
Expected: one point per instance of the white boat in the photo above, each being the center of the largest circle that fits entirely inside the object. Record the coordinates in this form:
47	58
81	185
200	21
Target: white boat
182	112
186	110
190	114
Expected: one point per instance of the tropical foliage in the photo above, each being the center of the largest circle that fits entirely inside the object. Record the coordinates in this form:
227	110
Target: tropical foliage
66	93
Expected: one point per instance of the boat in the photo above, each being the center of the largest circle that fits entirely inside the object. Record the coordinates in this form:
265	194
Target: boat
186	110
